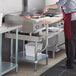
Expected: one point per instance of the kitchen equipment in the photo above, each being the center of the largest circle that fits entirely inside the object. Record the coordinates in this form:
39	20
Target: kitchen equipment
29	25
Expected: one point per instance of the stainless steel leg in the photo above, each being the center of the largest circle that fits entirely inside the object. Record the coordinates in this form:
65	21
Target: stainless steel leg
11	50
17	50
47	44
0	53
53	54
0	47
35	56
47	56
35	66
23	48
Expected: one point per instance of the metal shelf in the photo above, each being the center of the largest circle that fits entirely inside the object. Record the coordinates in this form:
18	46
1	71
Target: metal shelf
6	67
21	56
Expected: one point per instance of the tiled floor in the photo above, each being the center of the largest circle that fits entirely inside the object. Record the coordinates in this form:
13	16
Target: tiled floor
27	69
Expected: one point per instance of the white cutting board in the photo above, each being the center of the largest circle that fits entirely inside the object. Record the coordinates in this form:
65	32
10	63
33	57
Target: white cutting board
50	19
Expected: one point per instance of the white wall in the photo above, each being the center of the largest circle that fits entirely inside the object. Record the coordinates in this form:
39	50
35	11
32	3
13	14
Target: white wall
8	6
48	2
36	4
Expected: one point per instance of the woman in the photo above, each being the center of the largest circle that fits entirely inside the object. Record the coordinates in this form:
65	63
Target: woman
68	8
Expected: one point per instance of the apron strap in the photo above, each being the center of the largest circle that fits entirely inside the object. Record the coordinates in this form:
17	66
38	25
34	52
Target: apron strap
67	24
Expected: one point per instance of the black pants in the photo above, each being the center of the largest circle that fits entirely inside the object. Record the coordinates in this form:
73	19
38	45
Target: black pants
70	45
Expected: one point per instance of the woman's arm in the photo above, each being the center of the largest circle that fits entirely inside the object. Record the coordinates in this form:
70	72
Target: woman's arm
58	4
54	6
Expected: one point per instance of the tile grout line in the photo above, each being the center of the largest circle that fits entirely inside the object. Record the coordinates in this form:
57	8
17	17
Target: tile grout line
61	72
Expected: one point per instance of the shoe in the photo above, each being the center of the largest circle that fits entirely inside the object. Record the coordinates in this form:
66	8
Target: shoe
75	61
70	67
66	66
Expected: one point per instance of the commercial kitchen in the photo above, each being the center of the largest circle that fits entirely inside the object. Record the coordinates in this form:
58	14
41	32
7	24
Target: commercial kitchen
29	47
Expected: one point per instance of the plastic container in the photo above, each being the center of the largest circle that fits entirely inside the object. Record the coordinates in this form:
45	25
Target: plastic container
30	49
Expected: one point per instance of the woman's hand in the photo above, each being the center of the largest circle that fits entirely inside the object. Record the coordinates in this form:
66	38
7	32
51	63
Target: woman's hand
46	9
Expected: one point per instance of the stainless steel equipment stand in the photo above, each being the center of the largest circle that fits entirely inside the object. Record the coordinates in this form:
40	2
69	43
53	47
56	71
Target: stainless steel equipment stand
8	66
22	56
